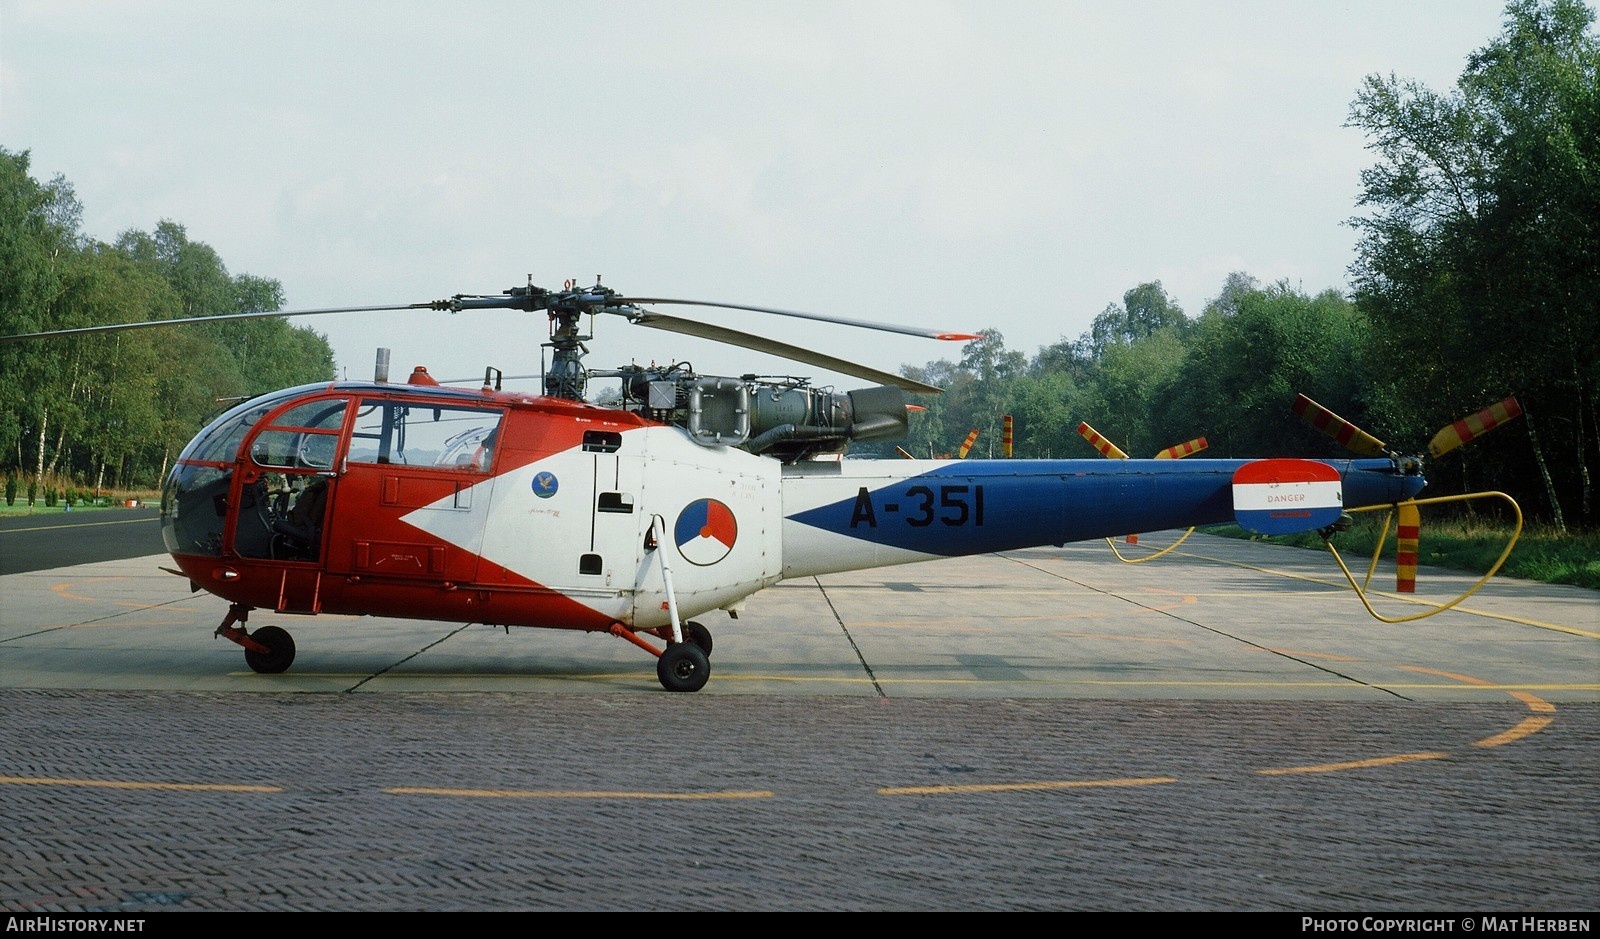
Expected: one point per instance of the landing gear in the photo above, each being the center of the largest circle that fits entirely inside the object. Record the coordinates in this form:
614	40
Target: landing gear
684	666
279	654
269	650
681	666
699	635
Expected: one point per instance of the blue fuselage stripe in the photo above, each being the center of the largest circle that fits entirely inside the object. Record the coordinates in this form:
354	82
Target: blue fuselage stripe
995	505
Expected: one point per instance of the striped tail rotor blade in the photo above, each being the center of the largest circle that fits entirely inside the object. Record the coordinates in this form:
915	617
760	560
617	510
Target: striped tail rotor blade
1337	427
1005	436
903	453
1476	425
1183	449
1106	447
966	447
1408	533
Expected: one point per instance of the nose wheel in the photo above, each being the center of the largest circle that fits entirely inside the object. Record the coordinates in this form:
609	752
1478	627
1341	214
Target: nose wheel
279	654
268	651
683	666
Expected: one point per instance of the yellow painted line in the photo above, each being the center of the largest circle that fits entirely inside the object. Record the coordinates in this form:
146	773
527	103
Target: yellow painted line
1354	764
575	794
1540	624
1157	639
1275	594
119	784
1523	621
124	521
392	677
1537	705
1528	727
123	624
880	680
922	624
1464	679
942	586
63	590
1025	786
1302	654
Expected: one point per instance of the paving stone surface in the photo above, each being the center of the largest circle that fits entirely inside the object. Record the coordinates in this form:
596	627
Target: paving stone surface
121	801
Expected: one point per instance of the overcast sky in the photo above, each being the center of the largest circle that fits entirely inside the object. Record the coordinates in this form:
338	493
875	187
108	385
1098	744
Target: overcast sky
964	165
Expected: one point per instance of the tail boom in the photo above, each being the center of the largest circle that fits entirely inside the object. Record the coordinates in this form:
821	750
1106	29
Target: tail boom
859	514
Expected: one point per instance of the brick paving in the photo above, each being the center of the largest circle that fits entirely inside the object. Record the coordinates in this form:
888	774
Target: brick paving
585	803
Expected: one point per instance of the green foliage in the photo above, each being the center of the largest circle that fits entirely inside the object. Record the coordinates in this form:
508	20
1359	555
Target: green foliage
1462	544
1479	260
1248	359
11	489
1477	276
125	402
1145	311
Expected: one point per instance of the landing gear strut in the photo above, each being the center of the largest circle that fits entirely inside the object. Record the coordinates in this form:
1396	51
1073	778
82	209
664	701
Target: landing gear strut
268	651
681	666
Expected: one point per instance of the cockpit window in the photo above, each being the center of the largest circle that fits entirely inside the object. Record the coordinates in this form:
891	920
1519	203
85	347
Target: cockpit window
326	414
219	442
304	437
296	449
414	434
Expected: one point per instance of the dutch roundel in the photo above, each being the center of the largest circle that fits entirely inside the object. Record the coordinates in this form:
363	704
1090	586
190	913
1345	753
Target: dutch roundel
705	532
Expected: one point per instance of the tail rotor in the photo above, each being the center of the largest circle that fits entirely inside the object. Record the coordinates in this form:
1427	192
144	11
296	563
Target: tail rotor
1407	515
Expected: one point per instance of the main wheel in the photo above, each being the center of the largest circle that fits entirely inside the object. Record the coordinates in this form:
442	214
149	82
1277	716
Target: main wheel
699	635
683	667
280	651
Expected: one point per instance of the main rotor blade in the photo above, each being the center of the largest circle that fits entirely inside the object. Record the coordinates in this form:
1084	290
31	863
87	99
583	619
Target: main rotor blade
1337	427
772	346
1181	450
264	314
966	445
1476	425
864	324
1107	448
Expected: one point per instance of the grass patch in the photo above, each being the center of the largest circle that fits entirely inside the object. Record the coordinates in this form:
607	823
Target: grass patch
118	501
1460	544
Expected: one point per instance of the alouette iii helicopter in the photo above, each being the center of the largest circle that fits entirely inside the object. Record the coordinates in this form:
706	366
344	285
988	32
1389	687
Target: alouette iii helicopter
418	500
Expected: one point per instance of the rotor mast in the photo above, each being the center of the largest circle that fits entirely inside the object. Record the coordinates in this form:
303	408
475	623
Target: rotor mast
566	377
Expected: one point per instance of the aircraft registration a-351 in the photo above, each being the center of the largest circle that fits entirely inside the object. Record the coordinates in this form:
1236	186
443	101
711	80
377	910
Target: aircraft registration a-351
482	505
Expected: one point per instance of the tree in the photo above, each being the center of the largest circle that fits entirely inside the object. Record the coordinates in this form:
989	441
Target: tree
1479	263
994	370
1238	286
1145	310
79	406
1248	359
38	242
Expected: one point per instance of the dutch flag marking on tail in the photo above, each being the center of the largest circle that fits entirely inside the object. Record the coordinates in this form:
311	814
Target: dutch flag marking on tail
1281	497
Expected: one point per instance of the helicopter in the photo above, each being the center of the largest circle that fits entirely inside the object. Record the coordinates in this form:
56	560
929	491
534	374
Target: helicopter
684	496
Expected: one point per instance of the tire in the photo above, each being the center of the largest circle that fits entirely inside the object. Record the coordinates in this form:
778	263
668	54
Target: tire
279	655
683	667
699	635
